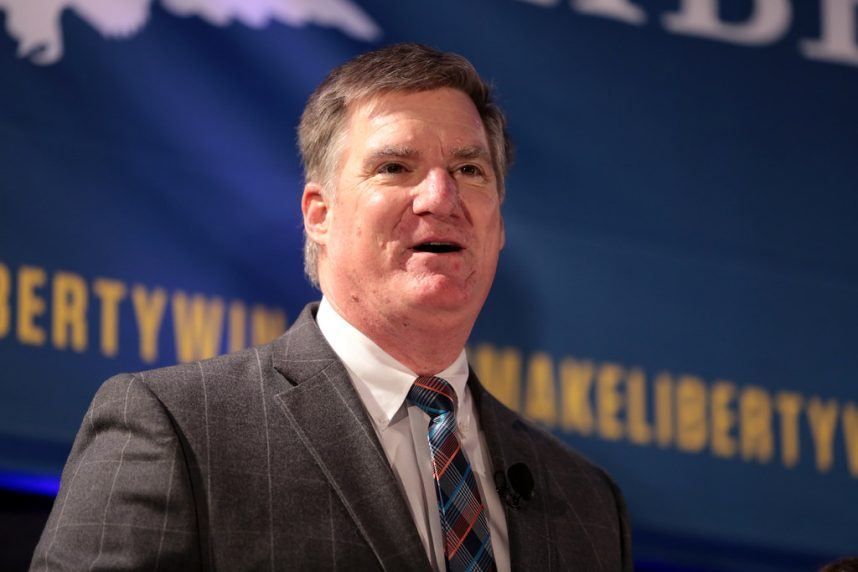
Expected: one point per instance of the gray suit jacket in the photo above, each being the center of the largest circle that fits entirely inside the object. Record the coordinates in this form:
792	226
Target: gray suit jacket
266	459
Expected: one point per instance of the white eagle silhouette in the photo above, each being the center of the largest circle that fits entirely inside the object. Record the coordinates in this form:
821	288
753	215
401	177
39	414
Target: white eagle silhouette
35	24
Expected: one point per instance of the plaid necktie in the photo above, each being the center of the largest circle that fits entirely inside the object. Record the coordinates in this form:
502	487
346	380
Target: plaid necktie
467	544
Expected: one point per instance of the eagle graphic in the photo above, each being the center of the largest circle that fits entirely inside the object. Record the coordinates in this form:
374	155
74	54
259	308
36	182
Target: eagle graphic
35	24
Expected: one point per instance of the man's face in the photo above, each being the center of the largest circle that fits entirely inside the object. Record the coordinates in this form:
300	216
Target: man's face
414	228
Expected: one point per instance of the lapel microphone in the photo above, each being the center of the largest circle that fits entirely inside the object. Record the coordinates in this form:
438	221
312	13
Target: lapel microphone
516	487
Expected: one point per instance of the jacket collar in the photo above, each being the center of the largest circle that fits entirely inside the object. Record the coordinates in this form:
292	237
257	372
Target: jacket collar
331	422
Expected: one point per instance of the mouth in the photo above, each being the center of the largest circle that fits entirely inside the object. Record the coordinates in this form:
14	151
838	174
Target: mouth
438	247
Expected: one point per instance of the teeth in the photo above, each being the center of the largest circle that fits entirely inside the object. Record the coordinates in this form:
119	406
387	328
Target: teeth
437	247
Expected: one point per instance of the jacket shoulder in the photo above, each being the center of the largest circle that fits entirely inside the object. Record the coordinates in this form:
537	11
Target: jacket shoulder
561	456
553	452
576	481
232	372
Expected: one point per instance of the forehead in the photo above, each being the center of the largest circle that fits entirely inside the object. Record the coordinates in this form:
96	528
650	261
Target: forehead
447	115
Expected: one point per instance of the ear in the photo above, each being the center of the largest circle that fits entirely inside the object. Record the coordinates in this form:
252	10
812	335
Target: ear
314	207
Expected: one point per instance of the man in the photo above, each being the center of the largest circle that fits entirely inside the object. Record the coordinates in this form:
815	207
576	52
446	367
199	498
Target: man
360	439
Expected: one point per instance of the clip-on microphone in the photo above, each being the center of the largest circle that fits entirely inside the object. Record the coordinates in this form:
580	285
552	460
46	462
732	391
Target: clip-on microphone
516	487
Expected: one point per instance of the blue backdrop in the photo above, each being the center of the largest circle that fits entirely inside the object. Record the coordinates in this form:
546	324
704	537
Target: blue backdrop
677	297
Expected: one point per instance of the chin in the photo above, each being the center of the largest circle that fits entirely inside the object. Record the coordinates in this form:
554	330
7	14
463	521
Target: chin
441	293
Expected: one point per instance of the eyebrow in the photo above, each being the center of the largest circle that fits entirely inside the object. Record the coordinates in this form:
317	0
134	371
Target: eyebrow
471	152
391	152
467	153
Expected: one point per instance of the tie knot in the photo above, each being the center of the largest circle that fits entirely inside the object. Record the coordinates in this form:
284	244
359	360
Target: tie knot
433	395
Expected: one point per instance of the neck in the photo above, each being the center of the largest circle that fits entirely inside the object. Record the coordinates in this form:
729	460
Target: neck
424	344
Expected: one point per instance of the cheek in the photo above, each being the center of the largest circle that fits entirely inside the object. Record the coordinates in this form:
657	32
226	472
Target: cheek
357	220
494	237
385	218
376	200
483	204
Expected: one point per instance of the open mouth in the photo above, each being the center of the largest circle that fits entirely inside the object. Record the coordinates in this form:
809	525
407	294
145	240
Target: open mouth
438	247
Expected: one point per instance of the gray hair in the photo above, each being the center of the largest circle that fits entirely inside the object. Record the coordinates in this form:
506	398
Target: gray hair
397	68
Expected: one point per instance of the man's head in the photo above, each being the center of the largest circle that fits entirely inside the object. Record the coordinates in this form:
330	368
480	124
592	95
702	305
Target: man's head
405	156
399	68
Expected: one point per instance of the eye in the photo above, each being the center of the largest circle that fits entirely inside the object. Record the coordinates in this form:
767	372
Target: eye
470	170
392	169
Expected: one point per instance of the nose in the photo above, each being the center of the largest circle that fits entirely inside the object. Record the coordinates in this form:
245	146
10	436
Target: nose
438	194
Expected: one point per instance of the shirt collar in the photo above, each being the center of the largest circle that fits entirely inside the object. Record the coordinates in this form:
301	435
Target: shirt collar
387	380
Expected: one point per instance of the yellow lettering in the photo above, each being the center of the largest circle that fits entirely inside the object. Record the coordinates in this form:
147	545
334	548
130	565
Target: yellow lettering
723	419
149	311
541	403
110	293
755	433
266	325
576	377
663	410
850	437
823	419
5	293
691	433
237	326
30	305
789	405
197	324
69	311
609	401
500	373
639	431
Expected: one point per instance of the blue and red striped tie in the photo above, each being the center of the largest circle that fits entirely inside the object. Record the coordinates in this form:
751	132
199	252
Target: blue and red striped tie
467	543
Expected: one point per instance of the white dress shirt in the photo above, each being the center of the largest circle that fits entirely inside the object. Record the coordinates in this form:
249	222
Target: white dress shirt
383	384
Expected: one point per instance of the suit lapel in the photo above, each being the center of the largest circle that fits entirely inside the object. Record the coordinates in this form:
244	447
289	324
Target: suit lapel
326	412
509	442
